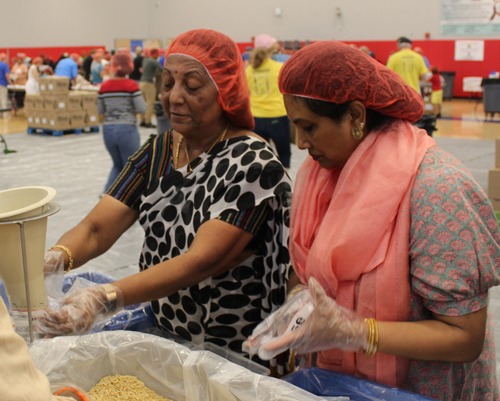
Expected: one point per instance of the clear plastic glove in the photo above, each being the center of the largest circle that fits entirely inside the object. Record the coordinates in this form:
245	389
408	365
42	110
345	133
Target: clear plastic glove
81	311
328	325
53	262
53	268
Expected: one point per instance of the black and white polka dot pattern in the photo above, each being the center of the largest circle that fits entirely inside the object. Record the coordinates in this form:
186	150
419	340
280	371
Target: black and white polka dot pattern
239	173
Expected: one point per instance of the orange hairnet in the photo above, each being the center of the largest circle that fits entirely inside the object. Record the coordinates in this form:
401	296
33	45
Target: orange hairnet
335	72
222	59
122	64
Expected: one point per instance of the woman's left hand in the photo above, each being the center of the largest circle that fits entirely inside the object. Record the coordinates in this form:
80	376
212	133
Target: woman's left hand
328	326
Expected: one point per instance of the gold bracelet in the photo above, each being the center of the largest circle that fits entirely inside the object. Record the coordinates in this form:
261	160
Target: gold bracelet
68	252
294	290
375	345
368	349
372	337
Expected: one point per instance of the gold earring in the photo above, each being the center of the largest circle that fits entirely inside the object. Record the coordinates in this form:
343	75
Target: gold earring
357	133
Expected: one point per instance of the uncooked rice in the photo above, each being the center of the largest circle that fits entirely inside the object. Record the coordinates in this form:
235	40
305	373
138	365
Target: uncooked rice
123	388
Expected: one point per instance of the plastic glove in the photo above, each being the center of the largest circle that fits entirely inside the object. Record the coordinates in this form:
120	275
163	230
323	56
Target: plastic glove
53	262
289	317
329	325
81	311
53	268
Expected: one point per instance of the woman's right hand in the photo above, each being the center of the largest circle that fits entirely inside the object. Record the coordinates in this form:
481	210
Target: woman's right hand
80	311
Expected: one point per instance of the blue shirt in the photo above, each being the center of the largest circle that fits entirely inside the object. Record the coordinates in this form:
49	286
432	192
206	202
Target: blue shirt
426	61
281	58
4	69
95	70
161	60
67	68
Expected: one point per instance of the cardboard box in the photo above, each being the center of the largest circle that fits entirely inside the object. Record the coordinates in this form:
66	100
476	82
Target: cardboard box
91	118
74	101
44	120
38	102
77	119
494	183
496	204
497	153
37	117
55	103
30	118
29	102
89	100
54	85
59	121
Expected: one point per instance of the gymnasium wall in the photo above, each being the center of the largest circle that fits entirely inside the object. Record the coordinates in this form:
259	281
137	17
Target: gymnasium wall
441	54
79	23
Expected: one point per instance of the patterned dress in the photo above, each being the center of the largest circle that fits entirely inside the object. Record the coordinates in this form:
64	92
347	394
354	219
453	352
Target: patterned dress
240	182
455	259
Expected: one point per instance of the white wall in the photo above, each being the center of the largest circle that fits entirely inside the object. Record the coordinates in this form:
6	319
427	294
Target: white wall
34	23
301	19
47	23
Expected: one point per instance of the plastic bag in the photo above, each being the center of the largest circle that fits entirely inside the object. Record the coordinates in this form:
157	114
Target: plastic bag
171	370
288	318
70	391
327	383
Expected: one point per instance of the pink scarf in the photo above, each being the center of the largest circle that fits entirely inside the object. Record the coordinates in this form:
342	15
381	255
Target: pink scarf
350	229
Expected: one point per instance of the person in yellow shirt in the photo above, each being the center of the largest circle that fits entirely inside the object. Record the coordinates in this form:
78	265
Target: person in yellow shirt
408	64
266	101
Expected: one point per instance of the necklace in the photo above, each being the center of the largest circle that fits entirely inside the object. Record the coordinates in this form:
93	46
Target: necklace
190	169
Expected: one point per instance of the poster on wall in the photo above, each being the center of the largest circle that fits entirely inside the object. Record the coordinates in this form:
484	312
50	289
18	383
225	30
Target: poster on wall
469	50
470	17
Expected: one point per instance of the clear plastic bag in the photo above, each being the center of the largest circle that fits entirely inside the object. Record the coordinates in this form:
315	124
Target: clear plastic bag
288	318
171	370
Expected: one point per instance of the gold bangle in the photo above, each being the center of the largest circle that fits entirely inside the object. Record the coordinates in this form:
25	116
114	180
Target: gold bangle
372	337
375	345
368	348
294	290
68	252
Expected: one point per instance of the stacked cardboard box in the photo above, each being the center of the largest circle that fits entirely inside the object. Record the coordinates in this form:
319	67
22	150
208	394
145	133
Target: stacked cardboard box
58	108
494	179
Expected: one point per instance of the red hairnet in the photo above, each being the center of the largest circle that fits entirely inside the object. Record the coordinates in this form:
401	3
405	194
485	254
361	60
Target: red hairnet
335	72
122	64
222	59
37	60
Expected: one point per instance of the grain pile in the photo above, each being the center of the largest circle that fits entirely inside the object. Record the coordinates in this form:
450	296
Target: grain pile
123	388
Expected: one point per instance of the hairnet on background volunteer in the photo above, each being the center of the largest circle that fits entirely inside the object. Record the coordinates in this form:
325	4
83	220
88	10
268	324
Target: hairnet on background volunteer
222	59
335	72
122	64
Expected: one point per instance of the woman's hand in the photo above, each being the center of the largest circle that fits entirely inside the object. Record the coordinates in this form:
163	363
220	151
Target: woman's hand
81	311
328	326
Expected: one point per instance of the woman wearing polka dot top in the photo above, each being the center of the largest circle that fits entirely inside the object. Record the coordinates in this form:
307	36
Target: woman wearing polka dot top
211	197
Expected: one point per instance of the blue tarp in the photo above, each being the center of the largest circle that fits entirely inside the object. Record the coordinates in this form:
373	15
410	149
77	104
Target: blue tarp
330	384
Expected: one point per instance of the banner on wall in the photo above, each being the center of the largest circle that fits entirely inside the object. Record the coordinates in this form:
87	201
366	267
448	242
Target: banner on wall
470	17
469	50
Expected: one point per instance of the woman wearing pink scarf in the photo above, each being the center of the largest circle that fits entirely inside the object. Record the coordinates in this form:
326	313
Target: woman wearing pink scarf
397	242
